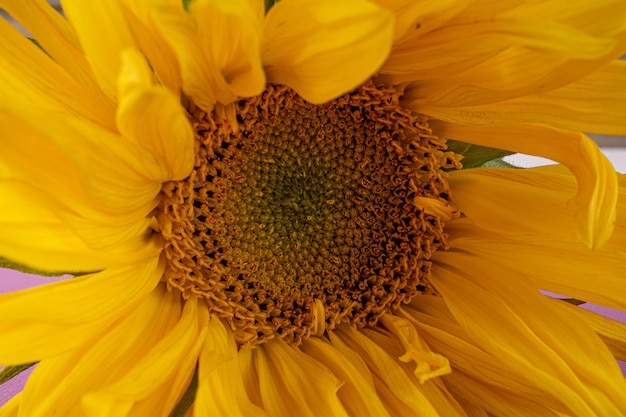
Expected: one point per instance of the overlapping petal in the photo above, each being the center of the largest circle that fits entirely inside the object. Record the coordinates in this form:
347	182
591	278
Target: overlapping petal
507	318
120	347
593	104
153	117
596	198
155	375
400	392
37	323
221	390
94	22
217	44
30	79
541	243
357	393
55	35
279	378
323	49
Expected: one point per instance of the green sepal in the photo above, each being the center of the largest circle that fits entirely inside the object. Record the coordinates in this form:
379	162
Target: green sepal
186	4
10	372
269	4
6	263
188	397
9	264
475	156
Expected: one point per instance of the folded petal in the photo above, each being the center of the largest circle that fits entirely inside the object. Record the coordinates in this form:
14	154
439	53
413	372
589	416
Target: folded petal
401	394
153	117
153	44
323	49
596	198
217	44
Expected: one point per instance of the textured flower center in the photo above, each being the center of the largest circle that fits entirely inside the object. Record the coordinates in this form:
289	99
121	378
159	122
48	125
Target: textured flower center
298	217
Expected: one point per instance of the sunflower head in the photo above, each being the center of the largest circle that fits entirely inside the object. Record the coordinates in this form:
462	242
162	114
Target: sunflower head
266	219
298	217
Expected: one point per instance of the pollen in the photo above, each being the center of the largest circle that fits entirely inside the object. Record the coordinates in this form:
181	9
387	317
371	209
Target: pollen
298	217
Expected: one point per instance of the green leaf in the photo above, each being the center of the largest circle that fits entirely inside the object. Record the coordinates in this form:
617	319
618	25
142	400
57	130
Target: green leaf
9	372
269	4
478	156
188	397
186	4
6	263
9	264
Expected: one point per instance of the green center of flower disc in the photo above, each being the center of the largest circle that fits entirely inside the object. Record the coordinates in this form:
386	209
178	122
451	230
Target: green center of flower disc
298	217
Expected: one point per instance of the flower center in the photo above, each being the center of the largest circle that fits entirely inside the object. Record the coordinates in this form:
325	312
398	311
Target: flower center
298	217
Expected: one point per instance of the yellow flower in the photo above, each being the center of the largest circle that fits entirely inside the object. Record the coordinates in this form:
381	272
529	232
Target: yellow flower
268	198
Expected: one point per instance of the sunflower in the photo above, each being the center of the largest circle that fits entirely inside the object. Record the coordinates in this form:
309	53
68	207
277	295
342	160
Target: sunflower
264	208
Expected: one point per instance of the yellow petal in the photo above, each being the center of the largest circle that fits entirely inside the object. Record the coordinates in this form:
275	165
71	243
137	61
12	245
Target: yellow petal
597	181
517	203
30	79
153	117
214	69
61	383
103	34
495	59
221	391
513	322
358	393
155	374
34	236
153	44
414	18
290	382
102	186
477	377
119	175
601	17
45	321
593	104
434	389
612	332
548	263
400	394
323	49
